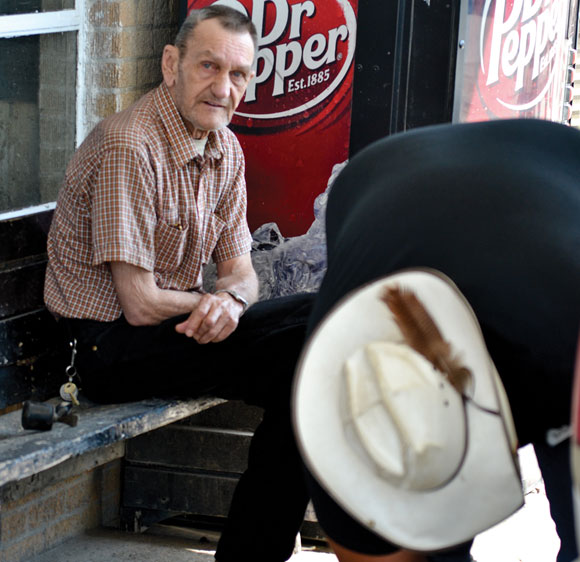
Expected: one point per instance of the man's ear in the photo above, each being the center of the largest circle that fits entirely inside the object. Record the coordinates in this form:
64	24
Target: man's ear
170	65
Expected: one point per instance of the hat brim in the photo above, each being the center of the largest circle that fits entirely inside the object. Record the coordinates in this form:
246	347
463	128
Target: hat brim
486	489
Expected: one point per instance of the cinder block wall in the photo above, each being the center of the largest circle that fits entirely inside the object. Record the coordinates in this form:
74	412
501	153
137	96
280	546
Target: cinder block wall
46	509
124	41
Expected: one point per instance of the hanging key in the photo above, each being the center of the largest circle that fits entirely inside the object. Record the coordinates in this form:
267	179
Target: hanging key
69	392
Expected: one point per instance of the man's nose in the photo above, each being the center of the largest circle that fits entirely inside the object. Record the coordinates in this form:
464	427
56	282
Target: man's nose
221	85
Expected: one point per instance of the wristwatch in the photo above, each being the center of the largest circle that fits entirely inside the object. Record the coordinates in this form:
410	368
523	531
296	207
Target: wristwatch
236	296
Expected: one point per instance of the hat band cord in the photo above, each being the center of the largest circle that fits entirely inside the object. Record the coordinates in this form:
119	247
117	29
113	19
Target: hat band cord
480	407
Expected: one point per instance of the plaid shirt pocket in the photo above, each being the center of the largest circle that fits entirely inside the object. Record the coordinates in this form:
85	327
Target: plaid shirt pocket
169	245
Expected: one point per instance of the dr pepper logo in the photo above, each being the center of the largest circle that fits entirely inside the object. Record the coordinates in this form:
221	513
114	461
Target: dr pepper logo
305	51
519	46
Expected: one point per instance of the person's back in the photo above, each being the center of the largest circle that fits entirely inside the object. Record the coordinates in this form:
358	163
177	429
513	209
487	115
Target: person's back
496	207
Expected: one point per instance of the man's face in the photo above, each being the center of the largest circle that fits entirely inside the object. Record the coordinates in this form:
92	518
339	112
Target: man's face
207	83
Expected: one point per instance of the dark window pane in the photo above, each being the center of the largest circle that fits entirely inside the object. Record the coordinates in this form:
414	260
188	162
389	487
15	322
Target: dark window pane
37	116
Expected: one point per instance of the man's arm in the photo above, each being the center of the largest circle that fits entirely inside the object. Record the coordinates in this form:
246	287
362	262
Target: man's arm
238	275
142	301
217	315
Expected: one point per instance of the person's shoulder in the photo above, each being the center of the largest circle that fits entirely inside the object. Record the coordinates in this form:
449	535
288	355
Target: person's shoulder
228	144
135	128
228	138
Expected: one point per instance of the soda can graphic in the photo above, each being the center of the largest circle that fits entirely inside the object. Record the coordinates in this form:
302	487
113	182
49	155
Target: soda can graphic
294	120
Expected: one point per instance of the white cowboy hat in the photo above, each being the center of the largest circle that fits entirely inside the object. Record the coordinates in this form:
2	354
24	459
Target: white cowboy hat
388	435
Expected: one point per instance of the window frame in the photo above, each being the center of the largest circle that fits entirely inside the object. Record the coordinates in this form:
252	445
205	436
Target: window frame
38	23
41	23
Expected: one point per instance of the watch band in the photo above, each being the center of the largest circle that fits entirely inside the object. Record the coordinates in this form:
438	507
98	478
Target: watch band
236	296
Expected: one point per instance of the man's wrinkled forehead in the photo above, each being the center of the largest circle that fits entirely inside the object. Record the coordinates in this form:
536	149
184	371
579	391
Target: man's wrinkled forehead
194	41
188	31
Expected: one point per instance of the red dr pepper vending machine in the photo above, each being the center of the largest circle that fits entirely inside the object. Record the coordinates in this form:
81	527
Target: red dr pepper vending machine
335	75
293	122
421	62
515	59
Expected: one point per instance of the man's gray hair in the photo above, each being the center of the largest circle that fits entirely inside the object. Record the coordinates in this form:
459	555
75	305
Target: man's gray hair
230	19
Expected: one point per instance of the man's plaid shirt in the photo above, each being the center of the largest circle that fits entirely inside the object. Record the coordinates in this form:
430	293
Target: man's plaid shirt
137	191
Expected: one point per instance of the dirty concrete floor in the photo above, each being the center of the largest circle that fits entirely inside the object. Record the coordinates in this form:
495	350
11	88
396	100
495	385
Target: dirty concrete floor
527	536
108	545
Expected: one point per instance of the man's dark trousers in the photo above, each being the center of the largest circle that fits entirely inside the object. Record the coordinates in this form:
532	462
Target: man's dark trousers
119	362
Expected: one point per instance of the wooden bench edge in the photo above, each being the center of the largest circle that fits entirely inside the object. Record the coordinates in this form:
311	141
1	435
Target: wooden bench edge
25	453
